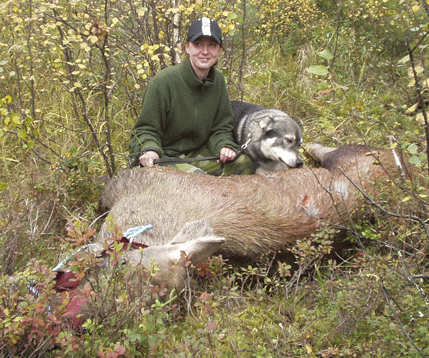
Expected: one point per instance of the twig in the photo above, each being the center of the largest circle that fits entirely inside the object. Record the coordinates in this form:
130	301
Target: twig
408	275
385	211
418	87
386	296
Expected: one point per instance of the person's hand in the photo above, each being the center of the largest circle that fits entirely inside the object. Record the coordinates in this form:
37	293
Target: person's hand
147	158
226	155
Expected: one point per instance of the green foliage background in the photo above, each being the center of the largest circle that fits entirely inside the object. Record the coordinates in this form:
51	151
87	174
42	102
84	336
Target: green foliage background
72	75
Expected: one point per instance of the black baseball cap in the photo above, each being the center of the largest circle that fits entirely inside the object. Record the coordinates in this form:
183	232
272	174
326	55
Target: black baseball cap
205	27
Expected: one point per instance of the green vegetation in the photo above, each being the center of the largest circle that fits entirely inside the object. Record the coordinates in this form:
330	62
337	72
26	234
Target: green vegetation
72	75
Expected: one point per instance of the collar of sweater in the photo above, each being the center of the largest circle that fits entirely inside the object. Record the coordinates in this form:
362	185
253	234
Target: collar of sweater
193	81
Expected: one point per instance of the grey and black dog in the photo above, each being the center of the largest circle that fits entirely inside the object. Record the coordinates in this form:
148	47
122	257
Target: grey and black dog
268	136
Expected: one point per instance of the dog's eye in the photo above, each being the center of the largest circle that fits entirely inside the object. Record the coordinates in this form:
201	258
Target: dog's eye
289	140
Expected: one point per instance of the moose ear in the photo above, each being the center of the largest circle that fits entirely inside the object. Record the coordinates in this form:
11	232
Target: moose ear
197	240
201	248
192	230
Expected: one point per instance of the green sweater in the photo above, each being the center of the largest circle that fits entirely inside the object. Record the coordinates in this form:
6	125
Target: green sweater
181	113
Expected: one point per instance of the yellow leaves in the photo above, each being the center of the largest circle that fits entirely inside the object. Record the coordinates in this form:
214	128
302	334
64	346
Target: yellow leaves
411	110
84	46
279	15
416	8
424	82
142	11
419	69
76	85
420	119
9	118
152	48
140	69
93	39
394	145
404	60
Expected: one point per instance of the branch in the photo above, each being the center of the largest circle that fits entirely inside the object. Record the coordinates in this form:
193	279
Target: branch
385	211
386	296
421	99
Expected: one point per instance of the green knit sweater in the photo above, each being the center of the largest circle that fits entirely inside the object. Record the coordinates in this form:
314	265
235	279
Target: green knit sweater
181	113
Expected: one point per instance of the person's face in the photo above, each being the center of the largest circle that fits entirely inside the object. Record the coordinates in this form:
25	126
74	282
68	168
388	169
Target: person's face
203	54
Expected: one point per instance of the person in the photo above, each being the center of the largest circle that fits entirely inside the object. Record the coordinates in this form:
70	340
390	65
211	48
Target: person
186	111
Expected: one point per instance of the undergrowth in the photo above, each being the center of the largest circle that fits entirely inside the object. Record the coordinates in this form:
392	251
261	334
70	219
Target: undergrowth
371	302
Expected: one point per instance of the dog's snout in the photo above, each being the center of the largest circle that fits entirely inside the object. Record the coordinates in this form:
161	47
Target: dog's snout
299	163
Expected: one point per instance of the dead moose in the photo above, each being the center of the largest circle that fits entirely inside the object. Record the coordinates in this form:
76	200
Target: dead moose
240	217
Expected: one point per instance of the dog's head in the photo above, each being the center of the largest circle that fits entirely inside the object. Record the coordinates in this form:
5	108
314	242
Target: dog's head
279	140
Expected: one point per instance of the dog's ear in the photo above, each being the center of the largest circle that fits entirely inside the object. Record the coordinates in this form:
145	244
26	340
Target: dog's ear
266	123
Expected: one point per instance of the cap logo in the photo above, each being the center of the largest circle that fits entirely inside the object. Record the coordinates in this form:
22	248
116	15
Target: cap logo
206	26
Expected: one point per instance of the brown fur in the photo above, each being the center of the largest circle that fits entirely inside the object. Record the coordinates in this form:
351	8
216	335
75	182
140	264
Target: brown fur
255	214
